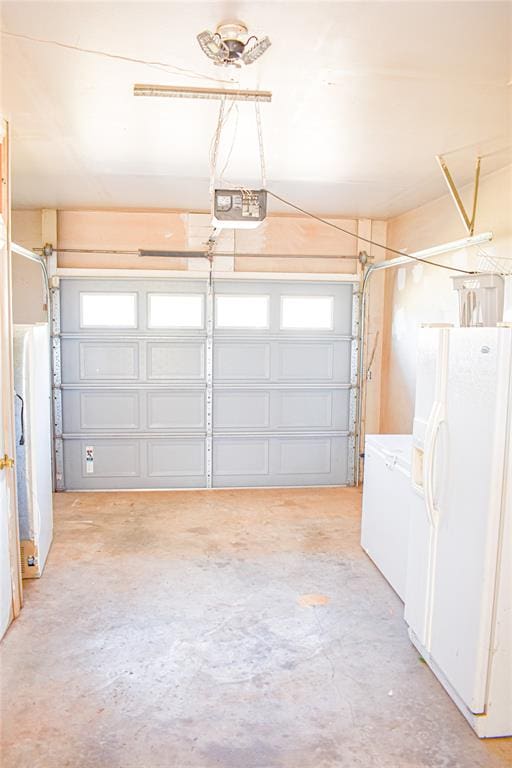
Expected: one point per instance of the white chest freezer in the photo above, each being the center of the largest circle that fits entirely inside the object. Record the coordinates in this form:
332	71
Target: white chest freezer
388	502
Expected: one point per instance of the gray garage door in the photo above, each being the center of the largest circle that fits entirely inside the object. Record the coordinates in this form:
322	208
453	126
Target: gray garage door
176	384
281	392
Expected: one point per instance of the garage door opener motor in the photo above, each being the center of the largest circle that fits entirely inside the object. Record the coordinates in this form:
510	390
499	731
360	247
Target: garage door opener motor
239	208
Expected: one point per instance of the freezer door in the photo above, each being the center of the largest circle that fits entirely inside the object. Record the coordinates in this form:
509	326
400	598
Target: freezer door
431	375
469	474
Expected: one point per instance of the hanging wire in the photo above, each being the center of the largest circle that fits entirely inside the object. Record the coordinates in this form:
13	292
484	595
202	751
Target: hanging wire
261	146
22	420
372	356
214	146
222	180
119	57
366	239
222	119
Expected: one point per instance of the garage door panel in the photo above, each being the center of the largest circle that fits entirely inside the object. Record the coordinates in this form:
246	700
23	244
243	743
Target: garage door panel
280	461
311	460
125	292
297	362
327	361
176	360
238	409
111	460
135	411
308	456
241	361
108	361
342	299
176	410
311	360
134	463
278	409
176	458
100	410
304	409
91	361
315	409
119	459
241	457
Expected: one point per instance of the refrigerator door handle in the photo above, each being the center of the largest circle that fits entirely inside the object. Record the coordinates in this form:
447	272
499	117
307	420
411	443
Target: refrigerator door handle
437	418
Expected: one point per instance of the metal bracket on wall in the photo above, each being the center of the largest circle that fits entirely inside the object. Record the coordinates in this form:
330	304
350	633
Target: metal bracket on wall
355	392
469	223
58	443
363	258
209	382
57	389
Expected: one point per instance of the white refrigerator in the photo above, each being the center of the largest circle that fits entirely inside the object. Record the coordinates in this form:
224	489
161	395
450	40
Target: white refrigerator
33	445
458	601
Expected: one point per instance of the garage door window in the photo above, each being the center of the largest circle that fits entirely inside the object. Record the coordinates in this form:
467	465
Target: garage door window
241	311
166	310
108	310
315	313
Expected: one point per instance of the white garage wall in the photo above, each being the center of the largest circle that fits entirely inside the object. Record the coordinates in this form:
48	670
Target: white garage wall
184	231
423	294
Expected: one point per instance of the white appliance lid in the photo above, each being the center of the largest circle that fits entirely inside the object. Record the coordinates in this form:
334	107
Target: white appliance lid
396	447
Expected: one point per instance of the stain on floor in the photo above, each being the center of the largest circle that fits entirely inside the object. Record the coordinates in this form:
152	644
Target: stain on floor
221	629
313	600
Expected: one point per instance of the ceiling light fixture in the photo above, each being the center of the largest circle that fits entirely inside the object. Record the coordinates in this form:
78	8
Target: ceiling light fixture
184	92
231	44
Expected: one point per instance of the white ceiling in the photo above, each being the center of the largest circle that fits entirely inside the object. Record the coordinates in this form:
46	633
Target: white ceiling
364	95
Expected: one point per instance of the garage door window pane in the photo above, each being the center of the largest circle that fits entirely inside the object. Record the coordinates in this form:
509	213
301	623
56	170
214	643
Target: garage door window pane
241	311
170	310
108	310
313	313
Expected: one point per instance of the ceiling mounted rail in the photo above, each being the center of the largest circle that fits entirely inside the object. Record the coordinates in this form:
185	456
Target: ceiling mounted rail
20	250
185	92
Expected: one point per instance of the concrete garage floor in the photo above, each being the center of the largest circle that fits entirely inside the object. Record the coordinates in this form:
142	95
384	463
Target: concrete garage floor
242	629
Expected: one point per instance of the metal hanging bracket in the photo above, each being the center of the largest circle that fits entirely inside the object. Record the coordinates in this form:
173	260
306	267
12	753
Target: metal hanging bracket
364	258
469	223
